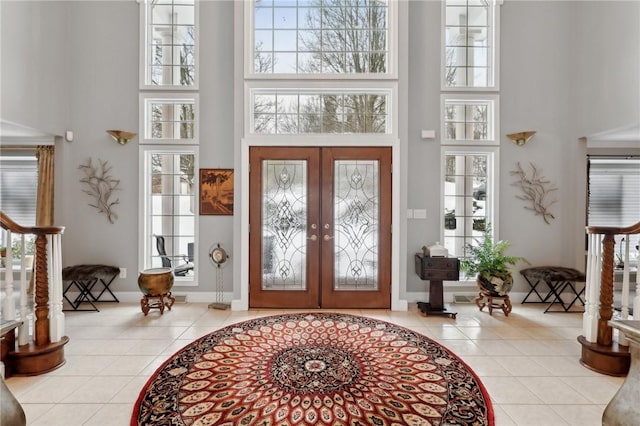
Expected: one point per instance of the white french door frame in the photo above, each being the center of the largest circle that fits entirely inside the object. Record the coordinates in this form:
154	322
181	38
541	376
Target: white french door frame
242	303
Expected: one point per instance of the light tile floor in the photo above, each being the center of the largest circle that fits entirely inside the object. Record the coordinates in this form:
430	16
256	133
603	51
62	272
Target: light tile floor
527	361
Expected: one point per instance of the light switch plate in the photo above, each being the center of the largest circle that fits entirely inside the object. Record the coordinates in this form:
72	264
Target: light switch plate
419	213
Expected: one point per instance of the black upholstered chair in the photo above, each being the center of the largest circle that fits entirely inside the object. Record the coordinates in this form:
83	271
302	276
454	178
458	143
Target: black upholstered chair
178	270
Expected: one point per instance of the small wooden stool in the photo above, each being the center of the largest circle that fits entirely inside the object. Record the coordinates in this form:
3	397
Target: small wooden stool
500	302
156	301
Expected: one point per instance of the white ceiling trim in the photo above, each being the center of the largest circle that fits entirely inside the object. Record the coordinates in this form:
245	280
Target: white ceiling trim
17	134
621	137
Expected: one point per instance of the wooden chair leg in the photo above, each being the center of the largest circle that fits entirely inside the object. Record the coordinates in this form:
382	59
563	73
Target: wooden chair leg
480	301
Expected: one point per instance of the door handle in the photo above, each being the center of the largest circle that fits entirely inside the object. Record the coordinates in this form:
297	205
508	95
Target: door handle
327	237
313	237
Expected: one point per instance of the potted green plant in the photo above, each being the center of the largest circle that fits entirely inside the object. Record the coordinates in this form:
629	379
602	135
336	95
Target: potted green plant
489	263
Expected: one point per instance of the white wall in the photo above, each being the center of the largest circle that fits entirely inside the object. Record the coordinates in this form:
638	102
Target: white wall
569	69
34	85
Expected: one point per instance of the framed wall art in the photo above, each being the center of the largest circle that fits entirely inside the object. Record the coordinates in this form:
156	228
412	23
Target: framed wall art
216	191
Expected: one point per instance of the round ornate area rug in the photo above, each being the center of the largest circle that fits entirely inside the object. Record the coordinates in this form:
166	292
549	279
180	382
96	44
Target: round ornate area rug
313	369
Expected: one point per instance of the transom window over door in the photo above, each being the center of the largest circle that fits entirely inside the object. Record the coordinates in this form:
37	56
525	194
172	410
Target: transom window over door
315	112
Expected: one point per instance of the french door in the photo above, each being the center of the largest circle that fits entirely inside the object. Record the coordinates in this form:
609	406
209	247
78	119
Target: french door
320	227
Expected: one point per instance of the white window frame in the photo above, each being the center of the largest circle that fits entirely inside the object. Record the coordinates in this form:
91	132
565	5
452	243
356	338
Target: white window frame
494	71
392	52
492	186
388	88
145	54
147	246
147	98
493	118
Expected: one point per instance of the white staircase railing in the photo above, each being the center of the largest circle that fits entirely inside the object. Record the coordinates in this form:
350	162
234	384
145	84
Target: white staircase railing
602	349
31	292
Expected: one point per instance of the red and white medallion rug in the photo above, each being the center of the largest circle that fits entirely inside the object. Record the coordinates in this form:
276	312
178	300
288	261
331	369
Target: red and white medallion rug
313	369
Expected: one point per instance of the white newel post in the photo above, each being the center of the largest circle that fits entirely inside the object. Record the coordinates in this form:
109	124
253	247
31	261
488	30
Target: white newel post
592	293
56	316
23	329
636	300
9	304
624	311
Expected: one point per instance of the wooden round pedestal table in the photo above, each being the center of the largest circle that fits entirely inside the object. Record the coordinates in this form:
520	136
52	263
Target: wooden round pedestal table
155	285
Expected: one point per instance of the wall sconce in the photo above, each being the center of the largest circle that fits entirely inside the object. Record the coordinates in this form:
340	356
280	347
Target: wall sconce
121	136
522	137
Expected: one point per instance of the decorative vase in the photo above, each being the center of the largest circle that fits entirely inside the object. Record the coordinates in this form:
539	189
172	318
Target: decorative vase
155	281
496	284
155	284
11	413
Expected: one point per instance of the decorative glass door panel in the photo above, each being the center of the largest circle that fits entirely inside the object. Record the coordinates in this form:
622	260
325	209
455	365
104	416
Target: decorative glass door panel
356	222
284	224
320	227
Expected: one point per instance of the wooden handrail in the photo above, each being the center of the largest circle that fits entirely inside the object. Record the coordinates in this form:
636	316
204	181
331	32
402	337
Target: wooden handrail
7	223
609	230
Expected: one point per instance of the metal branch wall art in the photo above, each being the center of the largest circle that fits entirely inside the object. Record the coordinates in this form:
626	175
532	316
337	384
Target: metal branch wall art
536	190
100	185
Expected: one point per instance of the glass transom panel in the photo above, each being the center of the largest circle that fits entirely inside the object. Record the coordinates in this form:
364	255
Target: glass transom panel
284	224
356	224
313	113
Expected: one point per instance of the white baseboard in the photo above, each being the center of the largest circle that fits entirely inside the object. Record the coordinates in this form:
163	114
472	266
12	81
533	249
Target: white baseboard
413	297
191	297
227	297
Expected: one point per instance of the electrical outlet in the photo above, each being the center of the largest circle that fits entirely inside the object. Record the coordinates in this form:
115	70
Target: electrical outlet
123	272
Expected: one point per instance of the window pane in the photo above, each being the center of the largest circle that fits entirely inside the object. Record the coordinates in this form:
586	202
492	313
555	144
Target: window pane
468	43
263	40
326	28
170	119
285	17
284	40
466	200
170	197
170	41
468	120
321	113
